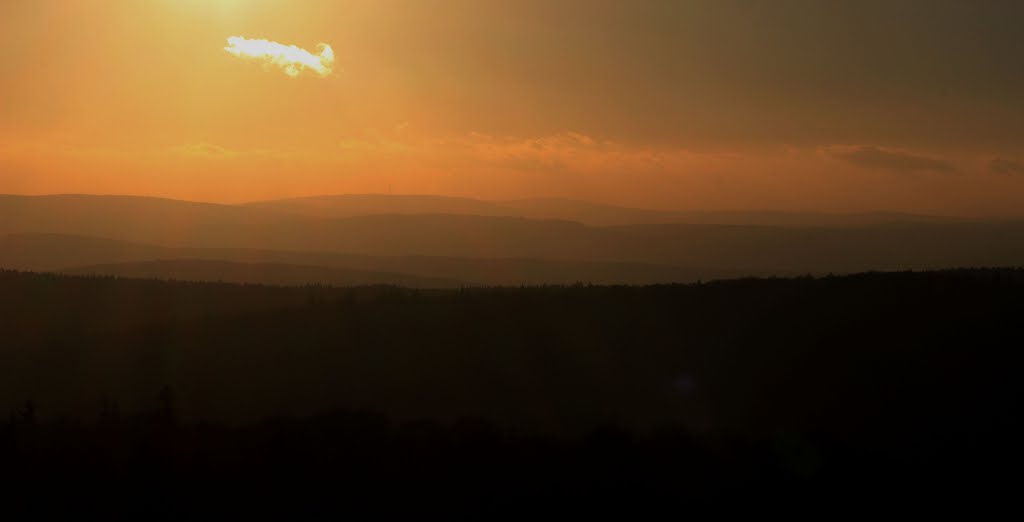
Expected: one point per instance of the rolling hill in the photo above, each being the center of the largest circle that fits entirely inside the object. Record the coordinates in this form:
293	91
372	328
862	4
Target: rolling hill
731	248
593	214
65	253
350	205
258	273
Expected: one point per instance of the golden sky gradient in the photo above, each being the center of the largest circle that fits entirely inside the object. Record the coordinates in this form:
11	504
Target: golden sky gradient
725	104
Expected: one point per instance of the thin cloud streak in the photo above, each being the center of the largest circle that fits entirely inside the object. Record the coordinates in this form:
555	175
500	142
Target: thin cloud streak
1006	167
872	157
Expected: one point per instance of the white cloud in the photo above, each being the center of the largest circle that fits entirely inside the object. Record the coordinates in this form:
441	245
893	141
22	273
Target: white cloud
291	59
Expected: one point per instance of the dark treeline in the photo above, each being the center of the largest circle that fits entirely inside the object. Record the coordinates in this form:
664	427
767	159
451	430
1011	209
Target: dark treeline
43	307
685	394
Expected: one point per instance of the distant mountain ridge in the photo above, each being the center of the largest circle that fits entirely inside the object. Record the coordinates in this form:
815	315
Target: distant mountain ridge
353	205
557	250
594	214
78	254
258	273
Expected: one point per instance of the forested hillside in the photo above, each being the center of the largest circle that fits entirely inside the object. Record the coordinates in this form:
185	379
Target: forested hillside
885	383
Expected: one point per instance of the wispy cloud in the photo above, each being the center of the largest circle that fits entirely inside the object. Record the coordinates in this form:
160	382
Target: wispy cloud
213	151
872	157
566	151
1006	167
204	150
290	59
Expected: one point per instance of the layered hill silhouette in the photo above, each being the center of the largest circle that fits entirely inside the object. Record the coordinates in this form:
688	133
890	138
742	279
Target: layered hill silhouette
467	247
350	205
594	214
80	254
258	273
119	361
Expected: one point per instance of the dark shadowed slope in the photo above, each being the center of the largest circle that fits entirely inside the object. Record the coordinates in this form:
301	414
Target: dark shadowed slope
258	273
883	247
609	215
834	391
350	205
594	214
517	271
43	252
58	252
826	356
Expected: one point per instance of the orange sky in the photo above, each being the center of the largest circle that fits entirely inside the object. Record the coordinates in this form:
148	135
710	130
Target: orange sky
907	105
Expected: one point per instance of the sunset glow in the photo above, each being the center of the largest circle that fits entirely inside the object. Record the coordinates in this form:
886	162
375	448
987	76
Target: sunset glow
503	258
630	103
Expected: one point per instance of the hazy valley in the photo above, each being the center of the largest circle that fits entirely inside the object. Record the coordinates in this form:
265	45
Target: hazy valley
445	242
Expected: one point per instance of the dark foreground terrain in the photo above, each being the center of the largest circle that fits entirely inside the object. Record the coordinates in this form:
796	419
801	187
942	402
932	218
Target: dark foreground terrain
840	393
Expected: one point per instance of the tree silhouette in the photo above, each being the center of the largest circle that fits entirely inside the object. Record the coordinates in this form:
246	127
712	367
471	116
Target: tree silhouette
166	414
26	415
